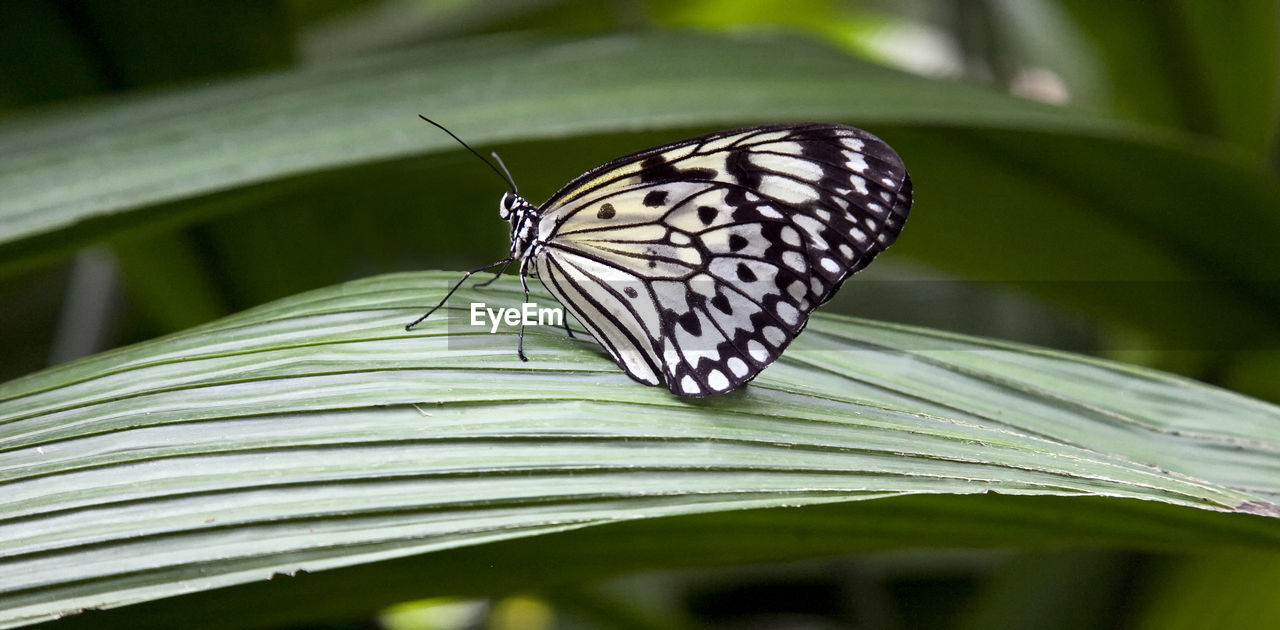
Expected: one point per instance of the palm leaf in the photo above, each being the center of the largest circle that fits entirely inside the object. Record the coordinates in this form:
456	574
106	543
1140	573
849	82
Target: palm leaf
314	434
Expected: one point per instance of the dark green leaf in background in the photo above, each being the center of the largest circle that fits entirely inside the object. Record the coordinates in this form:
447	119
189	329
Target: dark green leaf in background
1208	68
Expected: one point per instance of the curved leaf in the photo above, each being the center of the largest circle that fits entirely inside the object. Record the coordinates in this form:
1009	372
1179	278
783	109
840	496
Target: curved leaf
315	433
95	164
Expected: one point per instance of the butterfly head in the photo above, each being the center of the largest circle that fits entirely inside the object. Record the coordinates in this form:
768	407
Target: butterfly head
510	202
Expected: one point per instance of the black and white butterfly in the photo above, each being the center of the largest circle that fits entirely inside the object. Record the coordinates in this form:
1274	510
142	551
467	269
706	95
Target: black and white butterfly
696	263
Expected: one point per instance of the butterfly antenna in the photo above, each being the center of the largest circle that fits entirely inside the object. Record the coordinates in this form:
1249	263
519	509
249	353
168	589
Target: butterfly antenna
506	176
510	179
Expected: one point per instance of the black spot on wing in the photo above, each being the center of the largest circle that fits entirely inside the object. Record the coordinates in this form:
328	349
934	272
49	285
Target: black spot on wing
656	168
655	198
739	166
689	322
707	214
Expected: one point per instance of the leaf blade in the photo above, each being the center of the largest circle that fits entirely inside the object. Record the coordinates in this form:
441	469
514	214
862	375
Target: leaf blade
314	433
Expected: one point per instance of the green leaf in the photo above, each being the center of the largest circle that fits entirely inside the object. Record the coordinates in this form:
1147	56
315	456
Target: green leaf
315	433
1205	68
1229	590
90	168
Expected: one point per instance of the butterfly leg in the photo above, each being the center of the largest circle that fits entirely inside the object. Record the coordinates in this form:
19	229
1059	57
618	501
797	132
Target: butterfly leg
524	283
495	276
504	261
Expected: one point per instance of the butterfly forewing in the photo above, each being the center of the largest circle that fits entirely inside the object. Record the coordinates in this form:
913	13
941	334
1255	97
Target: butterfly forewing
696	263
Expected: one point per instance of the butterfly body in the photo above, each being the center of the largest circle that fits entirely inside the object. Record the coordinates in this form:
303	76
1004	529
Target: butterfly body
696	263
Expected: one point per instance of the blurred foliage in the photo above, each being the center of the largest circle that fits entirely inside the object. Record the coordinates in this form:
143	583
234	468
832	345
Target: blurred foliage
1178	179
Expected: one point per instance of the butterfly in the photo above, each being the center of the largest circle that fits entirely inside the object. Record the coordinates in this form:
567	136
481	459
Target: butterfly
695	263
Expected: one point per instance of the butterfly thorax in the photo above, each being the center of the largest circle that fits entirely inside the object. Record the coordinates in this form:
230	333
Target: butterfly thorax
523	217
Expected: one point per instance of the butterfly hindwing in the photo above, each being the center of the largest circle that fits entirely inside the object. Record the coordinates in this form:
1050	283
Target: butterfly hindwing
590	292
695	264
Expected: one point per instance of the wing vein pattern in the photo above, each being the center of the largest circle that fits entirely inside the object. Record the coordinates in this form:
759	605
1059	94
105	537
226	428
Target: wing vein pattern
696	263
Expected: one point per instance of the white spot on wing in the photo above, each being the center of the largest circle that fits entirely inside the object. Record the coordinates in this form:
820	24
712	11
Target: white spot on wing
794	260
737	366
831	265
788	313
757	351
856	163
794	166
688	386
772	136
716	380
791	148
787	190
672	155
859	184
720	143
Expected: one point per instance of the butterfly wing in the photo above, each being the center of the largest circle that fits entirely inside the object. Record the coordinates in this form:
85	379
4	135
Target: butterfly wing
696	263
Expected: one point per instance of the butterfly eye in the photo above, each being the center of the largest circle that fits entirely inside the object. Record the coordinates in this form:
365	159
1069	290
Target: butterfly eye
505	207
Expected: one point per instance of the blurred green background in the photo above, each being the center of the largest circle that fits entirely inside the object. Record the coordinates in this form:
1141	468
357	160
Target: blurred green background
1093	176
